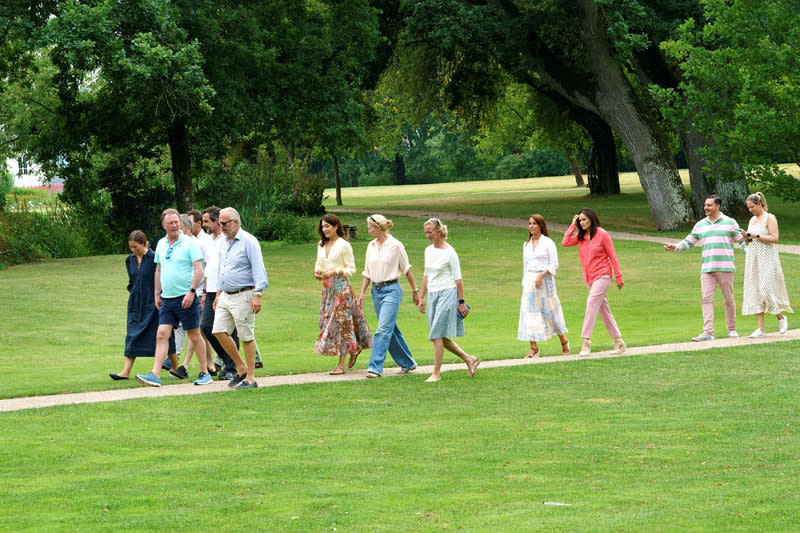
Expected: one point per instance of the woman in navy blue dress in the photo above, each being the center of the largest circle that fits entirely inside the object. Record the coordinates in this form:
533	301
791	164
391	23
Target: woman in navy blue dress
140	340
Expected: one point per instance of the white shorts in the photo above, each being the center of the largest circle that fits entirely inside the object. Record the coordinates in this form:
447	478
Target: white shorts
234	311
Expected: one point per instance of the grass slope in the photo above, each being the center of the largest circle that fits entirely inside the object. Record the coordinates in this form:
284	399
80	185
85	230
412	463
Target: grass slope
702	441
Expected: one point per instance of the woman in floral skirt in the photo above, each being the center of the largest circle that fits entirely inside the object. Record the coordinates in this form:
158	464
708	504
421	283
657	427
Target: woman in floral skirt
343	329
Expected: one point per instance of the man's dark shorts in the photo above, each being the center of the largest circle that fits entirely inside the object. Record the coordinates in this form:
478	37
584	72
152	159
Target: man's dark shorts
172	313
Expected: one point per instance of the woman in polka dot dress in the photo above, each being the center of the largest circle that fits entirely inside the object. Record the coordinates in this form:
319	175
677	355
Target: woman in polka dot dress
764	284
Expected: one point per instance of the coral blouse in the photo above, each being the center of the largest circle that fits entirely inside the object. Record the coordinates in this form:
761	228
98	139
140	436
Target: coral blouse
597	255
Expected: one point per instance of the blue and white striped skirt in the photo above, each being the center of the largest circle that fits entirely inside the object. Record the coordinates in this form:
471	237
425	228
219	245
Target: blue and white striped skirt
443	317
540	314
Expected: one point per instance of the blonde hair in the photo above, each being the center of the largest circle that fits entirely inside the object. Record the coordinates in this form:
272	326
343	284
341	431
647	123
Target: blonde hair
436	223
380	221
758	198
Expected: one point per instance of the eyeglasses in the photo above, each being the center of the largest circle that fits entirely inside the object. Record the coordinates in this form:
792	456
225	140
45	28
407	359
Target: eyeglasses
223	224
433	221
169	250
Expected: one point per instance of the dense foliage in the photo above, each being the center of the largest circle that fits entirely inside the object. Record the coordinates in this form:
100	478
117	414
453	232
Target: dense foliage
742	88
146	104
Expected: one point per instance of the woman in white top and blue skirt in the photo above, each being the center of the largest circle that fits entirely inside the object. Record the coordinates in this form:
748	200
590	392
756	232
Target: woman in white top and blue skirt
540	314
446	306
386	260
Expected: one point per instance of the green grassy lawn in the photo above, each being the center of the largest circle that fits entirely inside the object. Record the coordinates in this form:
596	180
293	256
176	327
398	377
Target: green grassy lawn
703	441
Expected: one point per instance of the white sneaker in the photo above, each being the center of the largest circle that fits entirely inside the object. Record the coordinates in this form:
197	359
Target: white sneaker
703	337
783	325
757	333
732	334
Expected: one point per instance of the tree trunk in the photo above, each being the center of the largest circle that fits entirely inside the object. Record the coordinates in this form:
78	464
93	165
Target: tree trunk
617	104
181	165
603	169
734	194
576	171
338	180
399	169
691	142
733	191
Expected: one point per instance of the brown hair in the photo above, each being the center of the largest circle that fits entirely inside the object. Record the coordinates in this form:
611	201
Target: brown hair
333	220
213	212
539	219
592	216
196	215
169	211
138	236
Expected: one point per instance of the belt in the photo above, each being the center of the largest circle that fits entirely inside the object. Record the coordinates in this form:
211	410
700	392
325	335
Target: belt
382	284
240	290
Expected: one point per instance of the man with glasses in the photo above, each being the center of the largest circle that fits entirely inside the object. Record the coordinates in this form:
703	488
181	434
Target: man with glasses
179	270
242	279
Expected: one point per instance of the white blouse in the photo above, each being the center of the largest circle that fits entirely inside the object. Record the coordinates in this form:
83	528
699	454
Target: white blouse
340	257
543	257
442	267
386	262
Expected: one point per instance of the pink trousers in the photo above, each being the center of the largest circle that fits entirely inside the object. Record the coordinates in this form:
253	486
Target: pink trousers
708	286
597	304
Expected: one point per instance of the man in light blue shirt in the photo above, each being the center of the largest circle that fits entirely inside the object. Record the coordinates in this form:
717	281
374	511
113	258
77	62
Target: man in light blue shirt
179	271
242	279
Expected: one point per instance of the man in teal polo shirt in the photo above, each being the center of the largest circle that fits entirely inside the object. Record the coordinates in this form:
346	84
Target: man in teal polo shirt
179	272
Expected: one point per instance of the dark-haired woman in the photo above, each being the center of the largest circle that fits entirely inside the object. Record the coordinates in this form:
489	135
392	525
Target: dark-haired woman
598	258
540	314
343	329
142	322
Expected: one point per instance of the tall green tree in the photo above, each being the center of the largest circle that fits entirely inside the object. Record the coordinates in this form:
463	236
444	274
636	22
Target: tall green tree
201	76
571	49
741	88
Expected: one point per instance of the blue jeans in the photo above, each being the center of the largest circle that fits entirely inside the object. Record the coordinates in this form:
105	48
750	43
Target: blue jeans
387	335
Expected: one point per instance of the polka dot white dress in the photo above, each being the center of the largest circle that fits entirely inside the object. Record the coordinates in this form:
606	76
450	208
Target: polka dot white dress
764	284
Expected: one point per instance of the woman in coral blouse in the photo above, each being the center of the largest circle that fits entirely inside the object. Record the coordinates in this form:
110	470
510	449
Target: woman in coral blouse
343	329
598	258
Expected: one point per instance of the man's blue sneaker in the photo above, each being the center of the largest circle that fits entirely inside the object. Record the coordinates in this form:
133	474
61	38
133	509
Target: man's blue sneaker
149	379
166	365
203	379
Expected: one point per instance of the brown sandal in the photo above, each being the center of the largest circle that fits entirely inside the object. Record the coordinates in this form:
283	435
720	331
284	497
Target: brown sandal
338	371
565	348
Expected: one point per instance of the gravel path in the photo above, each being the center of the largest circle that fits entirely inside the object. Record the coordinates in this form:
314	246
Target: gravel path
185	389
35	402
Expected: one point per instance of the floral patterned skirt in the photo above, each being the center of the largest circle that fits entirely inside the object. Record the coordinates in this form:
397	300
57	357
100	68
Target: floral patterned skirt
343	328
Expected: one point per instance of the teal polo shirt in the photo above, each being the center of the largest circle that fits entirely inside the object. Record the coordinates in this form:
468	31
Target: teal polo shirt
176	261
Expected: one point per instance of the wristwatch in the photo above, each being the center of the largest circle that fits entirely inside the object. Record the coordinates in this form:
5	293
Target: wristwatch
461	300
257	294
193	290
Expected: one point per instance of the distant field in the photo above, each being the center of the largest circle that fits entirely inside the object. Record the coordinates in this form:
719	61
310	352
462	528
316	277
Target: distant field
556	198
